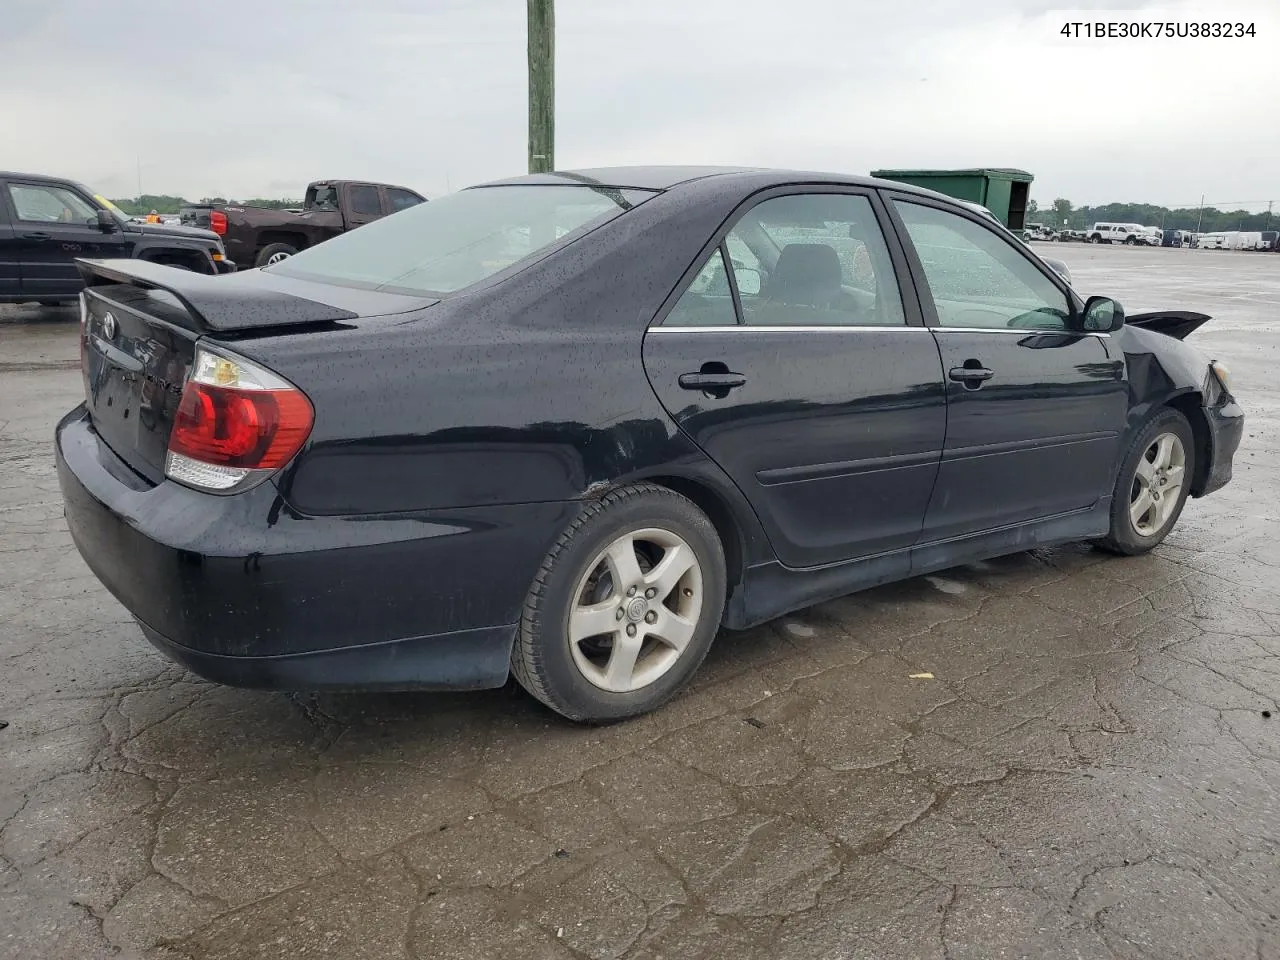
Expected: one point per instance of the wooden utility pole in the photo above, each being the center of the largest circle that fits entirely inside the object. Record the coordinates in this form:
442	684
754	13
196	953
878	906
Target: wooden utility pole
542	85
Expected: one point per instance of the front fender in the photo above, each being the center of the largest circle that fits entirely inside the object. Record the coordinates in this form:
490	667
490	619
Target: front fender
1166	372
153	249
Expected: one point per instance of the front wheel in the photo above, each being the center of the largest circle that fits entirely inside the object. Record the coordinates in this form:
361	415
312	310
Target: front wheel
624	608
1152	485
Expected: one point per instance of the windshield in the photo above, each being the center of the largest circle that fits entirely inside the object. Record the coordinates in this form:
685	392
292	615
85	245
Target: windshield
463	238
111	208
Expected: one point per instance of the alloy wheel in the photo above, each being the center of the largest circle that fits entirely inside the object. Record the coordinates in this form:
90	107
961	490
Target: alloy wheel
277	257
635	610
1157	485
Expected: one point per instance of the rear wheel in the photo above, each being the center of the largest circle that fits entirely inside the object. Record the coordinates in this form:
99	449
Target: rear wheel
1152	485
624	608
1130	241
274	253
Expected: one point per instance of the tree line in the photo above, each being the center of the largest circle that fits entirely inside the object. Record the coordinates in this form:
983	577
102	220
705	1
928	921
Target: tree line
1205	220
163	203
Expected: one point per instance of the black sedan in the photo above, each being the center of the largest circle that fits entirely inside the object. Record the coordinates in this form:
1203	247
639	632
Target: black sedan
568	426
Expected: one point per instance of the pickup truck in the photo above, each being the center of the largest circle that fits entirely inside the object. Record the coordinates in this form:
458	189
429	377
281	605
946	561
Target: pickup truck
258	236
46	223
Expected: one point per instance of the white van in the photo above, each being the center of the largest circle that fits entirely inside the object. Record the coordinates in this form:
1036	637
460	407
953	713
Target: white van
1212	241
1130	233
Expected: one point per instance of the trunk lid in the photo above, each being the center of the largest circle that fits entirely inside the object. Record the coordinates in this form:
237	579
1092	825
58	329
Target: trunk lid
141	323
137	352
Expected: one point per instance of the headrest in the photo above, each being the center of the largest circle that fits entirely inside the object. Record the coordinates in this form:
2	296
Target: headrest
807	274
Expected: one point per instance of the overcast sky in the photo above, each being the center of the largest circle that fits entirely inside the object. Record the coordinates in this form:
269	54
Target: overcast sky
242	99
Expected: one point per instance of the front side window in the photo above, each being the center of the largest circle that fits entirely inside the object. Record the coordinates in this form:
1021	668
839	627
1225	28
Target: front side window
460	239
977	278
708	302
47	204
814	260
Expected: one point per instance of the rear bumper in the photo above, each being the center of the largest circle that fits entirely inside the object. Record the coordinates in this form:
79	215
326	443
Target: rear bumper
1226	427
246	592
465	660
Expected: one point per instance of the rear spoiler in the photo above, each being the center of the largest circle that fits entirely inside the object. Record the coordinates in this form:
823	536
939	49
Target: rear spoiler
1178	324
216	304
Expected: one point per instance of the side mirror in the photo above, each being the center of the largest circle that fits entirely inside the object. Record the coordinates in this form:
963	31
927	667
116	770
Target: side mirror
1102	315
106	222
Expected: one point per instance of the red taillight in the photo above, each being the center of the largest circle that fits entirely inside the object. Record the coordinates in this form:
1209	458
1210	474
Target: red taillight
235	424
254	429
218	222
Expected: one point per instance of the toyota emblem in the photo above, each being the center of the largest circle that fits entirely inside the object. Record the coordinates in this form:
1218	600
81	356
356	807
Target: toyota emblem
109	327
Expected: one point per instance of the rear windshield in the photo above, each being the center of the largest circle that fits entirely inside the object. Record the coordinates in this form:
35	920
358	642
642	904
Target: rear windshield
444	245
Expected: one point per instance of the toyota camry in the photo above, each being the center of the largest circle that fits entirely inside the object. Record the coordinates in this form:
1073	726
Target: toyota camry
567	427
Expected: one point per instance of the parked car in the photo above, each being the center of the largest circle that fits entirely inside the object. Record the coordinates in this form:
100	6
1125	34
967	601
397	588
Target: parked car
1177	238
262	235
1151	236
1038	231
47	222
1128	233
1270	240
568	426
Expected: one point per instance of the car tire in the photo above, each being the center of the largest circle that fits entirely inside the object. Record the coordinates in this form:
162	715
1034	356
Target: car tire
274	253
1130	242
629	667
1138	525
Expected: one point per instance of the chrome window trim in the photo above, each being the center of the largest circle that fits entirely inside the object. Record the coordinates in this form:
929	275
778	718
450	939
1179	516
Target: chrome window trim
786	329
1020	332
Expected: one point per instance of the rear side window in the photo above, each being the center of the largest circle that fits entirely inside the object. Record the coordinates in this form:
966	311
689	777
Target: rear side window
814	259
364	199
401	199
460	239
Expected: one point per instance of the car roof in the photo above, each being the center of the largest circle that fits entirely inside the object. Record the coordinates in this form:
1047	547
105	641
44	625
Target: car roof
15	175
667	177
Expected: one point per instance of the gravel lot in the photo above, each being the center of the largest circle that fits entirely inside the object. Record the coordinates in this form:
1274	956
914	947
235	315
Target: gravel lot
1093	771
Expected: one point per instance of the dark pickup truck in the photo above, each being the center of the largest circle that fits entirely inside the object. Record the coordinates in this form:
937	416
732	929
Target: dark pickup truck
46	223
257	236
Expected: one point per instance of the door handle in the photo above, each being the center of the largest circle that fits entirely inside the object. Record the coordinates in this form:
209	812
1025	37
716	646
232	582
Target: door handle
35	236
711	381
971	376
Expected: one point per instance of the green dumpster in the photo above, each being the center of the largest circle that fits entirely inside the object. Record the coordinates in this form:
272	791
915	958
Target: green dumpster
1004	192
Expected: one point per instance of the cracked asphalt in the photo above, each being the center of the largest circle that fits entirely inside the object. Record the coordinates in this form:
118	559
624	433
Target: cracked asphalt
1093	770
